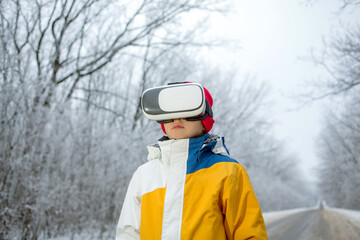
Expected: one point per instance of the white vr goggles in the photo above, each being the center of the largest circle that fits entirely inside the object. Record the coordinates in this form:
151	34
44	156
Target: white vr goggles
177	100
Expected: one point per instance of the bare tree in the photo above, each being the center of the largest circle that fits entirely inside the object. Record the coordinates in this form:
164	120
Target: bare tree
342	62
67	41
340	59
70	71
340	157
339	140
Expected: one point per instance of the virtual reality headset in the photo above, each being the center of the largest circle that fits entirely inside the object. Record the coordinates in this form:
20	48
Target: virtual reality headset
173	101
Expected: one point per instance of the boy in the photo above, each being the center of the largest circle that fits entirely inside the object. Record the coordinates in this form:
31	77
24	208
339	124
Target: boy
190	188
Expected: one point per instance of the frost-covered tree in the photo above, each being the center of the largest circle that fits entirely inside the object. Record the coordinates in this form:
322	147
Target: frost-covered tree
71	74
339	152
339	140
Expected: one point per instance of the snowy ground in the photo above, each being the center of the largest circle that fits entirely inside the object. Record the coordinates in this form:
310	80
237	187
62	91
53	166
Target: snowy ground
322	222
270	217
351	214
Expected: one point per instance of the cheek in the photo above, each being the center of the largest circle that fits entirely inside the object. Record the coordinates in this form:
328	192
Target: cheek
197	127
166	127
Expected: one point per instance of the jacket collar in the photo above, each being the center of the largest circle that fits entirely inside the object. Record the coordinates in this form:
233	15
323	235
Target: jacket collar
210	142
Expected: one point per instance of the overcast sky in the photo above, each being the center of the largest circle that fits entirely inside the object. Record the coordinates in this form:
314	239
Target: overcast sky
275	36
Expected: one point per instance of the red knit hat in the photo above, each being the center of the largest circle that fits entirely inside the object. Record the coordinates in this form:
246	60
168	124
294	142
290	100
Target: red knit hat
208	122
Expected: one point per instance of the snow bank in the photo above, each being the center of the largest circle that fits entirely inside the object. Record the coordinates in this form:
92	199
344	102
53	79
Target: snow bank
270	217
87	234
353	215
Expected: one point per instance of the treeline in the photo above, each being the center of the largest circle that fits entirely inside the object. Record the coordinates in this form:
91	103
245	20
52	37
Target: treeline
339	141
71	130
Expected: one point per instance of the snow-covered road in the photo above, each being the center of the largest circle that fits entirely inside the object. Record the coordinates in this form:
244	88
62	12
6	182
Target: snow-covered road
313	224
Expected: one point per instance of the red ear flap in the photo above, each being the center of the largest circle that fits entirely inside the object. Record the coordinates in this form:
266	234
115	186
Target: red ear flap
163	128
208	97
208	123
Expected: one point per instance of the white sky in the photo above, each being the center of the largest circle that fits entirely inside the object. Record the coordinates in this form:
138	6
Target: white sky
273	36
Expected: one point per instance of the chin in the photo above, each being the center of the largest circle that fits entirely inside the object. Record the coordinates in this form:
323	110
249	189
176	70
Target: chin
182	137
178	136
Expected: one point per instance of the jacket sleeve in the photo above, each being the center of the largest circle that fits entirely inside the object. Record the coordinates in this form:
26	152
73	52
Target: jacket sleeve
129	222
241	209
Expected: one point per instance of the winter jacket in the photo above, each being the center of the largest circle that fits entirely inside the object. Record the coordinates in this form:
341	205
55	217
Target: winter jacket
190	189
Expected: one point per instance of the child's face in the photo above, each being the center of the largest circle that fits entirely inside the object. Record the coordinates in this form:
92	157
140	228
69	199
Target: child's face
180	128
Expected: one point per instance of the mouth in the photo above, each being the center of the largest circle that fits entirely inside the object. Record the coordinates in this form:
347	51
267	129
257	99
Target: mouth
177	126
